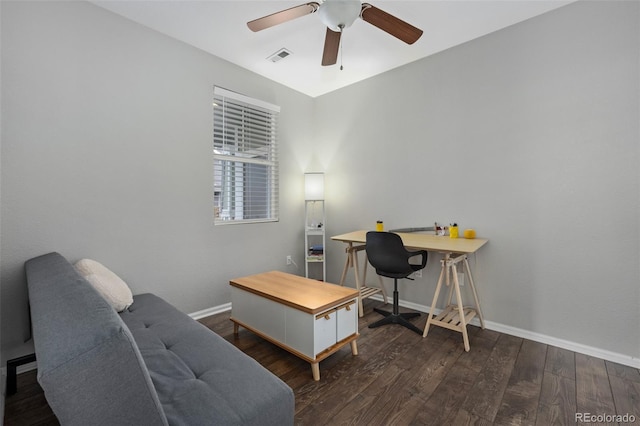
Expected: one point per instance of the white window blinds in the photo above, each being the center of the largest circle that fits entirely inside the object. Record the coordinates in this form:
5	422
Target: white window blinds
245	159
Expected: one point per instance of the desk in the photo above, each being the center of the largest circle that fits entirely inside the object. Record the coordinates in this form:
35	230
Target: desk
455	251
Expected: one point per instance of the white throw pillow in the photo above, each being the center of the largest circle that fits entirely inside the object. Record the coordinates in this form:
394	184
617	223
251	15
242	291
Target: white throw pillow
109	285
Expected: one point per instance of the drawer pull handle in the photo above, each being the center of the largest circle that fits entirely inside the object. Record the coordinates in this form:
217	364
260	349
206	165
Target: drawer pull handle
348	307
326	315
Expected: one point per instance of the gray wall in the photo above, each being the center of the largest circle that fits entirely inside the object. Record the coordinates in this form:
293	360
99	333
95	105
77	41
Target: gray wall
106	154
530	135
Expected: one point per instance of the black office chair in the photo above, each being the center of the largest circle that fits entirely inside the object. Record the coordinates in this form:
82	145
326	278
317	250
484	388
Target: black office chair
390	258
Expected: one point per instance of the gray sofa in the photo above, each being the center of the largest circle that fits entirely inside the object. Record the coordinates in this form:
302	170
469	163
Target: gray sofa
149	365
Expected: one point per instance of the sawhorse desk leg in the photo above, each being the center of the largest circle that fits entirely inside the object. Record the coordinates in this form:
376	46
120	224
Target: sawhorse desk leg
454	317
364	291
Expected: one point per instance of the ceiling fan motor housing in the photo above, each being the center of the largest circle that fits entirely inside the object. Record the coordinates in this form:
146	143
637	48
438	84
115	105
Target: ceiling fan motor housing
339	14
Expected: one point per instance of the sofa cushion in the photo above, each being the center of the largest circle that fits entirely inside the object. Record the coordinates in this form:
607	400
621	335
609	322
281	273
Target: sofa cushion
107	283
199	376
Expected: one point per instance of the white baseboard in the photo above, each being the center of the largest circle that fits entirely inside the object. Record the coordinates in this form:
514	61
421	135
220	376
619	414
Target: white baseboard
537	337
211	311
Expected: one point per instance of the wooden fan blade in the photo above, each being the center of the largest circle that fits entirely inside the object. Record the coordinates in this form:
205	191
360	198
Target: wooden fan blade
282	16
389	23
331	47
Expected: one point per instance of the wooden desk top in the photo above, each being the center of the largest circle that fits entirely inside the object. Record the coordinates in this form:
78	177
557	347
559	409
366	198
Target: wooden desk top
301	293
419	241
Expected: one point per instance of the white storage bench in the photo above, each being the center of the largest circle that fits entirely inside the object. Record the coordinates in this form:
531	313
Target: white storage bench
309	318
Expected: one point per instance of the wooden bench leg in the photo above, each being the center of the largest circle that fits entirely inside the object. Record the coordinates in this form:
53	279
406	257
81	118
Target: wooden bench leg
354	348
315	370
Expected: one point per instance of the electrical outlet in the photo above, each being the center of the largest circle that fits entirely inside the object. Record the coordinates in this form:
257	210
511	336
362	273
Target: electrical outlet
461	279
289	260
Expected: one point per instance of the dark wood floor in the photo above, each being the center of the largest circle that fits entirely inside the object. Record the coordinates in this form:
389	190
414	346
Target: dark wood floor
400	378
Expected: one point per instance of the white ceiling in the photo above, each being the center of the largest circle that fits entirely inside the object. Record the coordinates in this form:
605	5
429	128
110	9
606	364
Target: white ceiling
219	27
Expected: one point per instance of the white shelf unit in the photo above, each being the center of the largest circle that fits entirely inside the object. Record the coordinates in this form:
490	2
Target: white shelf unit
314	240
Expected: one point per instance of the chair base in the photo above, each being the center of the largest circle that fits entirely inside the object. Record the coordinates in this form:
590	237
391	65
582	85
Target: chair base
396	318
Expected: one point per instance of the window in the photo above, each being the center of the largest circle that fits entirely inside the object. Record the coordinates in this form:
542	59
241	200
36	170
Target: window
245	160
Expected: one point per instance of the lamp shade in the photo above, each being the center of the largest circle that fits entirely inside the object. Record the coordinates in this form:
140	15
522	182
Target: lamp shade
314	186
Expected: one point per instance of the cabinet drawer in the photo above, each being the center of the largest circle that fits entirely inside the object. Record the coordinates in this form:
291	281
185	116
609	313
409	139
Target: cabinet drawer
346	320
324	331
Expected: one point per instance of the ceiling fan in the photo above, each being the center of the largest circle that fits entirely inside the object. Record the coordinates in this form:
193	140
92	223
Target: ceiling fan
338	15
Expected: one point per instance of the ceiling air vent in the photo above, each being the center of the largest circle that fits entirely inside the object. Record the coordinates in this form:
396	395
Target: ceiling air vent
279	55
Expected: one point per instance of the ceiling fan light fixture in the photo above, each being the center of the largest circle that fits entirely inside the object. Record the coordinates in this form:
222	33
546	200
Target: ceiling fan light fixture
339	14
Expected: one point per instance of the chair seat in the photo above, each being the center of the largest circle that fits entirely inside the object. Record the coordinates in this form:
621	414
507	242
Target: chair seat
403	274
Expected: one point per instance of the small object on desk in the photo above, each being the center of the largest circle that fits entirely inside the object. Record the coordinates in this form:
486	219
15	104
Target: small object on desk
414	229
379	226
440	230
469	234
453	231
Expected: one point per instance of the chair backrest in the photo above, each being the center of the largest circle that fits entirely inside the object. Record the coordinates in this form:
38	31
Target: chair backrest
387	254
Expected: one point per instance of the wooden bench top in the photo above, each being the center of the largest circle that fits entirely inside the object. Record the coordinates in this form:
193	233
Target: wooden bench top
301	293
